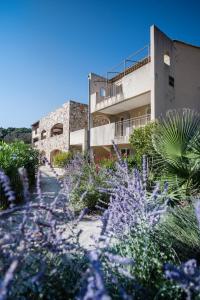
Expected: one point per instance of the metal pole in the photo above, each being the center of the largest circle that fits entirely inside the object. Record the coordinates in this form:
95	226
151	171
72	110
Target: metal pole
89	120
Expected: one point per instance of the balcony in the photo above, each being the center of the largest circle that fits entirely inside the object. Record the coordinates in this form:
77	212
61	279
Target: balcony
102	135
131	79
124	128
118	132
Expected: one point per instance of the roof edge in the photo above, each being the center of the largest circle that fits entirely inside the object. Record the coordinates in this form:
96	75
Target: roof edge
186	44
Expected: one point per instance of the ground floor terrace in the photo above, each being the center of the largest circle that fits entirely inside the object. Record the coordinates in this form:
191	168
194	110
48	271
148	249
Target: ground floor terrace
74	142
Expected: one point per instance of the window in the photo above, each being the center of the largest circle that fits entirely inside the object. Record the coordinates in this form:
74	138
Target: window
119	89
171	81
43	134
167	59
102	92
125	152
35	140
57	129
122	126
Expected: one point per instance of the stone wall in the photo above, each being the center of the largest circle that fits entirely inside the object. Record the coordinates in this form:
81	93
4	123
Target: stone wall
78	116
72	115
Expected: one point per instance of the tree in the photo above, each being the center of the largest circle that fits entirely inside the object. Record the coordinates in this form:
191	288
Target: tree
177	141
12	134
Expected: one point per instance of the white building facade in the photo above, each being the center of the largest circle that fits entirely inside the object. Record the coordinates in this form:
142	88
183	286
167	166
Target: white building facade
161	76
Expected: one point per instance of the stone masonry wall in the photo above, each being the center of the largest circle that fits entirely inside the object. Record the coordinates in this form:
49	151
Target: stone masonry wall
58	142
73	116
78	116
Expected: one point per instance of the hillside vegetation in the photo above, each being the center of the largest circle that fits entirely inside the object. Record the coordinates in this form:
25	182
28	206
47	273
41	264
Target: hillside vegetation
12	134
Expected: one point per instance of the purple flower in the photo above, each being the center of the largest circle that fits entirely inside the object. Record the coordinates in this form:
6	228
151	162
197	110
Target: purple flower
187	276
4	284
95	289
130	204
197	211
5	182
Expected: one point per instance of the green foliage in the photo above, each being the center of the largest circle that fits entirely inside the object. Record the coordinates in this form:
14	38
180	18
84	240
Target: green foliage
149	256
87	193
62	159
177	141
12	134
108	163
180	230
12	157
141	141
61	278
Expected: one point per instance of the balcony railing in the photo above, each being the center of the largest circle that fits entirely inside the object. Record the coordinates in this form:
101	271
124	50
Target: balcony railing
119	131
123	129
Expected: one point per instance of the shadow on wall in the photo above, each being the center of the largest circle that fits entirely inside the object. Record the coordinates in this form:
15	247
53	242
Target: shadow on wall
57	129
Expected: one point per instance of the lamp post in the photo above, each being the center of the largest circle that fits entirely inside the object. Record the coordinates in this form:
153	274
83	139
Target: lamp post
89	118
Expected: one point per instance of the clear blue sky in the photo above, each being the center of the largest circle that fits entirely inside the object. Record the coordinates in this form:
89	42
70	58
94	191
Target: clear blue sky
48	47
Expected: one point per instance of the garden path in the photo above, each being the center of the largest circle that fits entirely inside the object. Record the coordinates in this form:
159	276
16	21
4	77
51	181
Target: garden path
90	225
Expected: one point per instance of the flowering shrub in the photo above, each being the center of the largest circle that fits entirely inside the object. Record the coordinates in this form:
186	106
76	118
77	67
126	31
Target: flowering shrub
130	223
85	178
12	157
37	250
62	159
41	256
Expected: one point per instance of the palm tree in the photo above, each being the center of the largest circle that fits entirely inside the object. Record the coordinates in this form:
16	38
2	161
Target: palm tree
177	141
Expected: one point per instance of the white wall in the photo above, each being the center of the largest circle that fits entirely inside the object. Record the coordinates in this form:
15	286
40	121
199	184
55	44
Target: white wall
102	135
184	67
78	137
162	94
136	83
187	76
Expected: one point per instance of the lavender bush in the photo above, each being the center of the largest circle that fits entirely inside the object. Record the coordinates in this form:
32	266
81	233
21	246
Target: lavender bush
41	256
127	259
39	244
85	179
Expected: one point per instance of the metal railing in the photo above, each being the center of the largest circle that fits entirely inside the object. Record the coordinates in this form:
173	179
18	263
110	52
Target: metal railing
123	129
113	87
133	59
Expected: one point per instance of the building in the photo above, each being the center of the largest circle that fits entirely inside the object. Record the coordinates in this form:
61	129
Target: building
62	130
161	76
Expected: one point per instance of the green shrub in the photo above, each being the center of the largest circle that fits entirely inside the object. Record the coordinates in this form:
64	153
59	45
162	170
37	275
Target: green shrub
149	256
87	193
180	229
12	157
61	278
61	159
141	141
108	163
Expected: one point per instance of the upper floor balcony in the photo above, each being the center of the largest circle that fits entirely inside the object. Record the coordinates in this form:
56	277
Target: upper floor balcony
118	132
131	79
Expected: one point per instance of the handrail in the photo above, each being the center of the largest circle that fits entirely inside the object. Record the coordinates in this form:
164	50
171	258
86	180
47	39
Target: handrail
134	119
124	128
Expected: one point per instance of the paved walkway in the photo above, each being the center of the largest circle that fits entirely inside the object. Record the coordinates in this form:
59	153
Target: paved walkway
90	225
